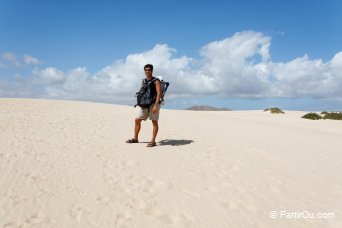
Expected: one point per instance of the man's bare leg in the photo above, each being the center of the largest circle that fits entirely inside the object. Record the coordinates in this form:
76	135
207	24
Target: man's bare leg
155	130
137	128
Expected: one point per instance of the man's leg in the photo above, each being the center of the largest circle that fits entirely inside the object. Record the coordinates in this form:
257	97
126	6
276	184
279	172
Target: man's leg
137	128
155	130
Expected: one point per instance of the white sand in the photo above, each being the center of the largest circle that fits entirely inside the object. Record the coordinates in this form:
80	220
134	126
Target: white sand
66	164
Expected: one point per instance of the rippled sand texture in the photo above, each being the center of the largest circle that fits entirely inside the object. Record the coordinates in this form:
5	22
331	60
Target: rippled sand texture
66	164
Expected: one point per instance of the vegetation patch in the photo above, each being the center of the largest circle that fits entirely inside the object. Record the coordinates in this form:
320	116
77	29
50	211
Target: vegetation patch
274	110
324	115
333	116
312	116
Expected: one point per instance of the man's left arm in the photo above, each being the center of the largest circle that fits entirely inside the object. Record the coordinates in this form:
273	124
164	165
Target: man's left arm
158	93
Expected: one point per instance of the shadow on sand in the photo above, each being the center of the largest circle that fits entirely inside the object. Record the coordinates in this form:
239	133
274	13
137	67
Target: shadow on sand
175	142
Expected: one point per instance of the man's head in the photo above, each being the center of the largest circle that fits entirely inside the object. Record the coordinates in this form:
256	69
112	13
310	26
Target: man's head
148	68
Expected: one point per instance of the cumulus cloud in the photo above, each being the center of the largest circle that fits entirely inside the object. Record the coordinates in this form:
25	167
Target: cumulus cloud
308	77
238	66
31	60
48	75
13	60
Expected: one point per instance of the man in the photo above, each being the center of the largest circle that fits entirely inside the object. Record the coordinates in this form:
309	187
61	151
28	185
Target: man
152	111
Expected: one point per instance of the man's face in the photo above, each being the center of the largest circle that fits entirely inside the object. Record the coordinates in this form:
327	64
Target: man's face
148	72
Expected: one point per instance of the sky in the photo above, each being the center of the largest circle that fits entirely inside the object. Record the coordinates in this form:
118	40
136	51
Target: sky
240	55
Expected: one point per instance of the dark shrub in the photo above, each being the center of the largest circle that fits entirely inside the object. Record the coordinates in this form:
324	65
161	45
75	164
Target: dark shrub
333	116
274	110
312	116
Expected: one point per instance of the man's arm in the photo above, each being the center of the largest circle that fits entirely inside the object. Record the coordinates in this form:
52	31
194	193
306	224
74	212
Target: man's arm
158	92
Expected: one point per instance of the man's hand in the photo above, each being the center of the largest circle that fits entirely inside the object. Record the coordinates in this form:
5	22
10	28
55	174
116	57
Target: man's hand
155	108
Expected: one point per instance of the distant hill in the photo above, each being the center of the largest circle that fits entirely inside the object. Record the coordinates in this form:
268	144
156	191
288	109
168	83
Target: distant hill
206	108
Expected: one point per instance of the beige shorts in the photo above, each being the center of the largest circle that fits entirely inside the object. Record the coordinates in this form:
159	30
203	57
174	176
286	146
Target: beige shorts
145	113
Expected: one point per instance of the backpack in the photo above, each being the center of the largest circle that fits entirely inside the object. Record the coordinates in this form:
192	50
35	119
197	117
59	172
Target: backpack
163	87
145	97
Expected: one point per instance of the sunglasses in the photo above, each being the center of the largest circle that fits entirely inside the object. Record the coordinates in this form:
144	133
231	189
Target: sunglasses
148	69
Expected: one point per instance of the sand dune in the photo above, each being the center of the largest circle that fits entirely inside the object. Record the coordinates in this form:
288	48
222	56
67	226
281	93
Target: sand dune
66	164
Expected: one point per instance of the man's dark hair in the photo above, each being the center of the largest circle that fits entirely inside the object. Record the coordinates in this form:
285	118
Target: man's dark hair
148	66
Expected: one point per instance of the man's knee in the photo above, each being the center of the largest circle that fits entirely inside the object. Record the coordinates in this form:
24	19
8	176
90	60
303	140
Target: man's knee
155	122
138	121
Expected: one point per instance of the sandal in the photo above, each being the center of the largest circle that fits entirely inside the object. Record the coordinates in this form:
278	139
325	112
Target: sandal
132	141
151	144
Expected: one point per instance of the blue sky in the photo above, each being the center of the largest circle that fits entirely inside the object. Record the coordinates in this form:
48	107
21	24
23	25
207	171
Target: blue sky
237	54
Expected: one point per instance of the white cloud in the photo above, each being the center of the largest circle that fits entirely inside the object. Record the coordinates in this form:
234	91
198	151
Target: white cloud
119	81
238	66
48	75
31	60
131	71
11	58
308	77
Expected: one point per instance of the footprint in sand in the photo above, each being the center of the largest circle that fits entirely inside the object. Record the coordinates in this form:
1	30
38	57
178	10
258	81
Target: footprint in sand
103	200
45	194
222	174
78	212
190	193
158	215
109	178
79	191
136	203
238	207
13	224
158	184
93	224
231	206
125	164
15	198
182	220
7	157
100	155
35	219
35	178
154	183
108	164
147	185
40	157
124	220
186	220
211	189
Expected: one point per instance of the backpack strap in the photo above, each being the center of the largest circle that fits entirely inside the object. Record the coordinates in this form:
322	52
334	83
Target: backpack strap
144	81
166	85
152	80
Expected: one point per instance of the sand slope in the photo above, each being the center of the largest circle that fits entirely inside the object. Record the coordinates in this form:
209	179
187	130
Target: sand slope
65	164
